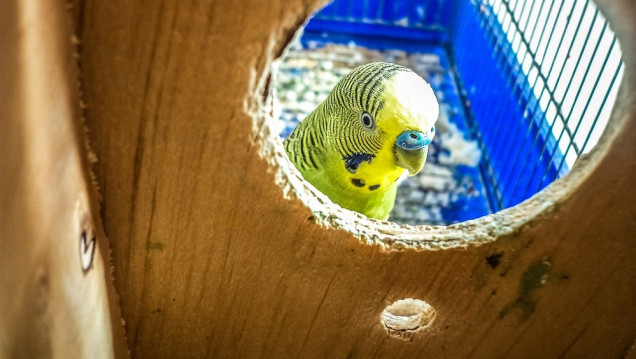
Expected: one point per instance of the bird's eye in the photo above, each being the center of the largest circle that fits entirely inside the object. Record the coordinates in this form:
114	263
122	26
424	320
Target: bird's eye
432	129
367	120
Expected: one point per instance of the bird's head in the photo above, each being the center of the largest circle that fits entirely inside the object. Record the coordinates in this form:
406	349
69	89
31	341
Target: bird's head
387	114
408	118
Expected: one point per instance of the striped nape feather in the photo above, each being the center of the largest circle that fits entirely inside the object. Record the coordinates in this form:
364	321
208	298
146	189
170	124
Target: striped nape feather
334	124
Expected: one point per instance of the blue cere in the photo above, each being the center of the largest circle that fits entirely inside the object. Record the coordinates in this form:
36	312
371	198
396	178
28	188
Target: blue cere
413	140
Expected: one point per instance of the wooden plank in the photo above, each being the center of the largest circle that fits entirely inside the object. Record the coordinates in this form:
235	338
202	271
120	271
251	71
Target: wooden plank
54	271
213	260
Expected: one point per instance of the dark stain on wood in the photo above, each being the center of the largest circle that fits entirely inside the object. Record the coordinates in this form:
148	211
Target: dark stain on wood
154	246
494	259
532	279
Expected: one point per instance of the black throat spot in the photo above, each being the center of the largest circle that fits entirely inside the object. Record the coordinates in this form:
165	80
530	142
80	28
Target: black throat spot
352	162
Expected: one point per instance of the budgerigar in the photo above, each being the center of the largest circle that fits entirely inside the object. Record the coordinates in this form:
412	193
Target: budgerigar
375	124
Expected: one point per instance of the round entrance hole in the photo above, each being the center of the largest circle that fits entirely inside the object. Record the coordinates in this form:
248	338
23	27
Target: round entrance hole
520	99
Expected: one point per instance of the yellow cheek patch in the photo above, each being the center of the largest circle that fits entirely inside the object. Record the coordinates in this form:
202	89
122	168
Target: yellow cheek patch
381	171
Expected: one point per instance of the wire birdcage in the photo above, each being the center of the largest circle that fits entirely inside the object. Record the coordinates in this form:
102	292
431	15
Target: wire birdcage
533	81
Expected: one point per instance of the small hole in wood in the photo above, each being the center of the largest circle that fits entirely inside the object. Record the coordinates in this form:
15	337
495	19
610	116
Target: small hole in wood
87	237
407	315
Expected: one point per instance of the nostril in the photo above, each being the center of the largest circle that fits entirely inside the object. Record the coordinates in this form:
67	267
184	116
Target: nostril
412	140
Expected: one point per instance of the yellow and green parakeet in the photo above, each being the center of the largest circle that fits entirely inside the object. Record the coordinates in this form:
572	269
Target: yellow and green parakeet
375	124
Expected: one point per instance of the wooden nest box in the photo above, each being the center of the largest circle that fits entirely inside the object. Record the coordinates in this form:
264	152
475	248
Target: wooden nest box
147	209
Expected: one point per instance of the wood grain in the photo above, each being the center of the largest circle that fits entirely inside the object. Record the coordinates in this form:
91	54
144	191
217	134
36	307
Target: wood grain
55	295
213	260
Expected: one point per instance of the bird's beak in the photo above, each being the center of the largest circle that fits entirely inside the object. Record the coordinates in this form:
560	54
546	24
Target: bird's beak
410	150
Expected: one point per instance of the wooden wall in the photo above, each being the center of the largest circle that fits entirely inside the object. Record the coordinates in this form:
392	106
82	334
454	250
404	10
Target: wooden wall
212	258
54	272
